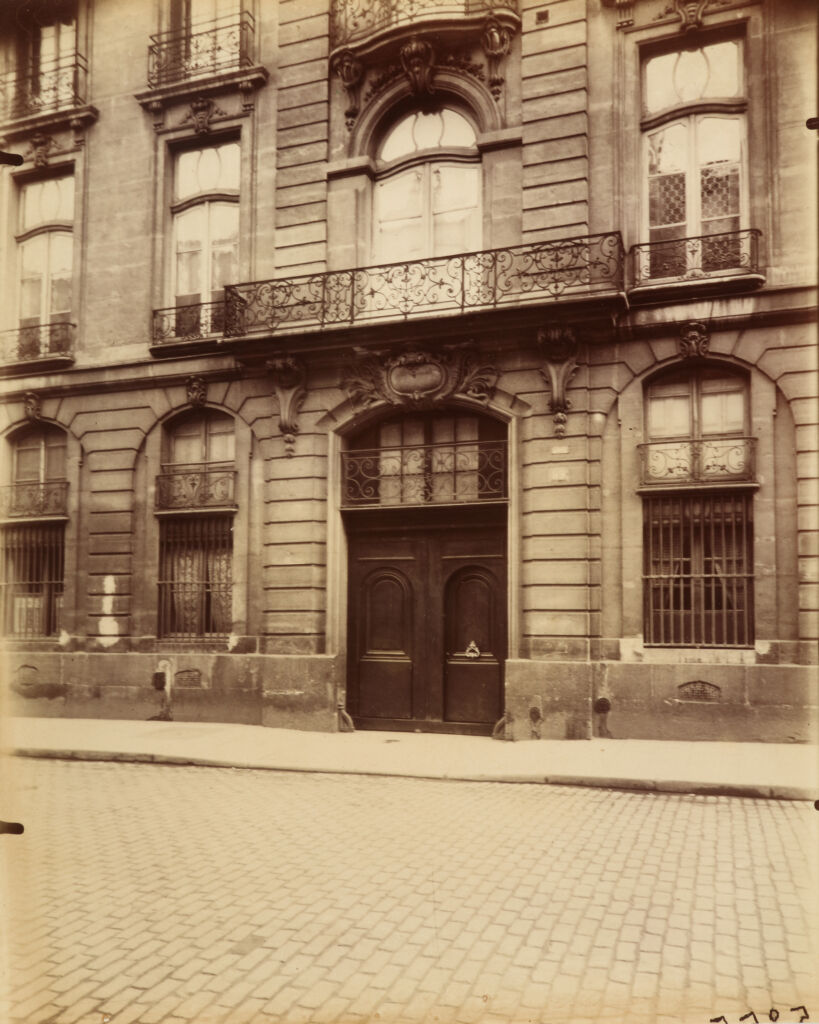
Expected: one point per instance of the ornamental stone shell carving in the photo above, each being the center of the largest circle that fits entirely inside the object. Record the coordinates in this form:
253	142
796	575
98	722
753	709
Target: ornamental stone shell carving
420	378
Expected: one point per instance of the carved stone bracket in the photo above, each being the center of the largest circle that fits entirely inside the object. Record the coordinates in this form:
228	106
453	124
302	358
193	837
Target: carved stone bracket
559	348
350	70
40	148
196	390
420	378
416	59
690	12
695	339
32	406
496	40
202	111
288	376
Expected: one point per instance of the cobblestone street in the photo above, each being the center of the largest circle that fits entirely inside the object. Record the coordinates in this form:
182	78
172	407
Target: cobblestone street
151	894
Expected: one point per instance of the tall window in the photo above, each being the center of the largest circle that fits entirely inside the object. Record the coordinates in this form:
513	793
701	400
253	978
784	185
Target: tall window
32	553
45	246
428	195
205	234
205	37
698	542
694	158
196	545
46	57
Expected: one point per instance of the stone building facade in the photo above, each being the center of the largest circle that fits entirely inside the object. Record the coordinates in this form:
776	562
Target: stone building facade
430	364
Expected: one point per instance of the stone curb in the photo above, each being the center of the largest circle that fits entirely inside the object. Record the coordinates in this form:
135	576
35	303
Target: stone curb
678	787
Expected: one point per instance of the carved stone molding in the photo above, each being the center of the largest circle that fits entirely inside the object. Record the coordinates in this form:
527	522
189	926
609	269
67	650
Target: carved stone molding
695	339
690	12
559	347
288	376
202	111
32	406
350	70
420	378
416	59
496	40
196	389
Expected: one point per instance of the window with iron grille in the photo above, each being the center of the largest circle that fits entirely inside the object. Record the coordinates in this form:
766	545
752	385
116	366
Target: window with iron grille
697	544
195	576
698	569
32	569
694	160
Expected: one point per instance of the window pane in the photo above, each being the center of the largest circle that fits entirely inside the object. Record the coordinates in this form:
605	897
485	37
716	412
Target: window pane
690	75
399	141
27	464
55	462
669	417
186	180
208	170
724	65
667	165
457	130
61	253
220	439
224	233
33	255
659	85
399	225
187	442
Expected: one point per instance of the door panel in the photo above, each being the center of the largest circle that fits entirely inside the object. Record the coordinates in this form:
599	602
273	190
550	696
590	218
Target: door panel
418	596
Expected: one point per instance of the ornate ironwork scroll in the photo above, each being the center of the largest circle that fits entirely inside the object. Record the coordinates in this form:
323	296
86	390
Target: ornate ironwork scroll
44	88
691	460
490	279
729	254
288	375
420	378
191	322
34	499
196	487
220	45
38	341
559	347
450	473
352	21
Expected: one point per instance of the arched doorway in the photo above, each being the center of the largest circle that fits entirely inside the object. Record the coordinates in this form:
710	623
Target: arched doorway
424	505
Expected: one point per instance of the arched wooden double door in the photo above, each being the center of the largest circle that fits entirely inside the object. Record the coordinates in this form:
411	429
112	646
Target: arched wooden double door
427	619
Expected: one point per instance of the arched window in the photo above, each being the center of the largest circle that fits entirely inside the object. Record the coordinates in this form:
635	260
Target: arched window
196	502
428	194
697	533
32	554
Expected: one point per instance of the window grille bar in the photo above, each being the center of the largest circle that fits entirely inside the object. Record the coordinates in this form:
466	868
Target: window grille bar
195	577
32	568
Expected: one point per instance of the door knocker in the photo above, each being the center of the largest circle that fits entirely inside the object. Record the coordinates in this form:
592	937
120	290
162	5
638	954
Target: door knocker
472	650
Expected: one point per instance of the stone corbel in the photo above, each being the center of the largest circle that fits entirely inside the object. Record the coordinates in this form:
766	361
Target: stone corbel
416	59
496	40
40	148
196	391
288	376
559	348
350	70
32	406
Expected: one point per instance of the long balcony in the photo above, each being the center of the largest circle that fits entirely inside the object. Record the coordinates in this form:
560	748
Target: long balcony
204	49
452	473
196	487
194	322
535	274
43	89
51	343
726	260
33	500
698	461
353	22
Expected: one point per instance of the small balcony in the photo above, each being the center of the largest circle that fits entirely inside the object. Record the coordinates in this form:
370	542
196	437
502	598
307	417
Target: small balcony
193	488
541	273
355	23
706	263
204	49
453	473
698	461
46	88
196	322
34	500
49	346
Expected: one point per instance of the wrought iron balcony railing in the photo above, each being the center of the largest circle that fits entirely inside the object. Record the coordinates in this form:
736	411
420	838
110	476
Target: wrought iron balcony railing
43	88
38	341
428	474
196	487
352	21
473	282
730	254
34	499
188	323
224	44
698	461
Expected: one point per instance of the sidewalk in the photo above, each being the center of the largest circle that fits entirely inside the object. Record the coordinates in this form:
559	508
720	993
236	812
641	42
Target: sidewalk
784	771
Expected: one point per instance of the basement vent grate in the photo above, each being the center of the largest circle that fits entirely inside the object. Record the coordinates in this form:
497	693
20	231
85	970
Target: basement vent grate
699	690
